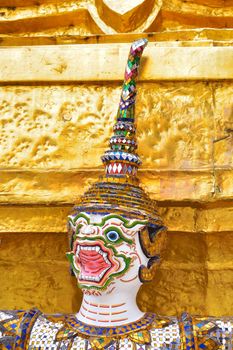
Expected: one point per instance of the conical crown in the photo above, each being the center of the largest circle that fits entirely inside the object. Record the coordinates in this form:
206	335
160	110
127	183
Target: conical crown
122	160
119	190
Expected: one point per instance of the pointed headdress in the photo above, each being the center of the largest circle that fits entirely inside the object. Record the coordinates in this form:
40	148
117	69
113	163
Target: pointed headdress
119	190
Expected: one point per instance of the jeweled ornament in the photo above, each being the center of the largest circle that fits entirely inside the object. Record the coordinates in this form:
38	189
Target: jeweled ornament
116	239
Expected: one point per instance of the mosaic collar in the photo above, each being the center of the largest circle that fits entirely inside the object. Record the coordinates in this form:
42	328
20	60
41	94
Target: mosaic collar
94	331
99	337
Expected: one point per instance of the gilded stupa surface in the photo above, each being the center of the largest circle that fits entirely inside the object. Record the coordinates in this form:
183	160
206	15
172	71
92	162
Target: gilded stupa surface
116	241
62	65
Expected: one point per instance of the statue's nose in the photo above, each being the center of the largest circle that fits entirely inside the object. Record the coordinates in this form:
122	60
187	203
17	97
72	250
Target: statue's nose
88	230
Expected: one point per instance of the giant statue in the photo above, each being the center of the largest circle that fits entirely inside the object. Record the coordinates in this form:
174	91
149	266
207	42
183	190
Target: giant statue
116	240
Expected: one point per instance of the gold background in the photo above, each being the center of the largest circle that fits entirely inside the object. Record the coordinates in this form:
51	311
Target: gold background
54	131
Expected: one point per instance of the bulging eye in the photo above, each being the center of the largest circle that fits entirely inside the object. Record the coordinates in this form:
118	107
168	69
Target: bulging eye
113	236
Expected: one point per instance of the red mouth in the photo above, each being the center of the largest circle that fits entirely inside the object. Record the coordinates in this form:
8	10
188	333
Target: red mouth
94	262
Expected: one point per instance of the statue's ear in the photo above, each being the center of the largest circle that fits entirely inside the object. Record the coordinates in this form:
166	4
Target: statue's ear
152	240
153	231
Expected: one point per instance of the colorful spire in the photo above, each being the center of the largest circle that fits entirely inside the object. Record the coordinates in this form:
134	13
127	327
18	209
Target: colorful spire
122	160
119	191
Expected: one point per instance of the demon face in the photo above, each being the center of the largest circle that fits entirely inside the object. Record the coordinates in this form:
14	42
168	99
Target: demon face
105	250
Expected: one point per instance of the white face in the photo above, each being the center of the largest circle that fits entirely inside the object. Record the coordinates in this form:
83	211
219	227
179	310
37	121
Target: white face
106	251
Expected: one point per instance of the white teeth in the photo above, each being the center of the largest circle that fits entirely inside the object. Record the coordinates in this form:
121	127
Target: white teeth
90	278
103	272
96	248
106	259
93	278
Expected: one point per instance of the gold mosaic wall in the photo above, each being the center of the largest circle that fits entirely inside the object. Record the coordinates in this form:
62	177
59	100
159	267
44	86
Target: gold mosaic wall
57	107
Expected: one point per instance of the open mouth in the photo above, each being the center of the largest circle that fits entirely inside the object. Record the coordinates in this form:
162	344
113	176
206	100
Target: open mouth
94	262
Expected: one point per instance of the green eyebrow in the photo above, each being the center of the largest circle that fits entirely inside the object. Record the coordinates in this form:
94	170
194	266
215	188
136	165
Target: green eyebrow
126	222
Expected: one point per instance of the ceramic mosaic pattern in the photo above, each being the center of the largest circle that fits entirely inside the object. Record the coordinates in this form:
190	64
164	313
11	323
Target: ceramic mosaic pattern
41	332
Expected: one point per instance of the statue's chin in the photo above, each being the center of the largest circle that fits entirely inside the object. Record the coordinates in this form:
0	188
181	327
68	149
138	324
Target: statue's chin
123	283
